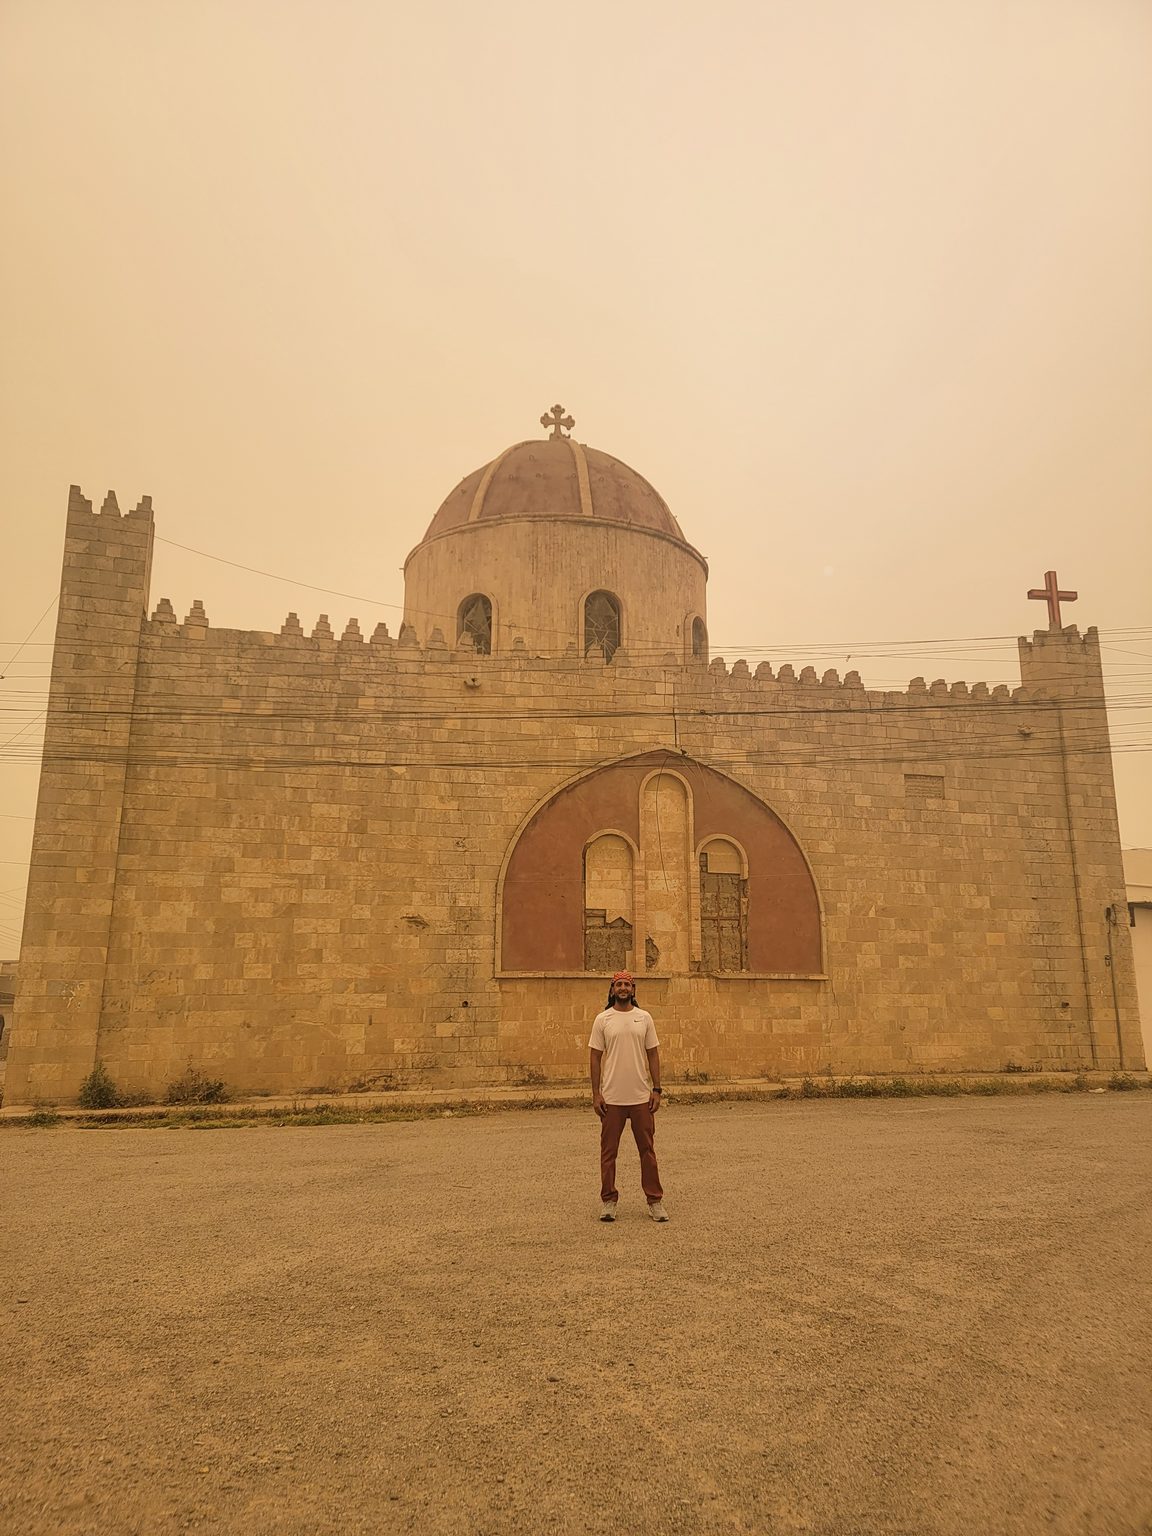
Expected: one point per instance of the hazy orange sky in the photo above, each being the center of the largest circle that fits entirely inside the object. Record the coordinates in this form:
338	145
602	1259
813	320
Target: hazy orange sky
862	288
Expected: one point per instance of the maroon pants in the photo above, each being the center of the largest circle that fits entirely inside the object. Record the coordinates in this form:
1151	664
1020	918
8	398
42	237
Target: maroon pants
644	1131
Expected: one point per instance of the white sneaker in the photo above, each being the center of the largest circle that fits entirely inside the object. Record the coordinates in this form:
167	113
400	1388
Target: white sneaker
608	1210
656	1210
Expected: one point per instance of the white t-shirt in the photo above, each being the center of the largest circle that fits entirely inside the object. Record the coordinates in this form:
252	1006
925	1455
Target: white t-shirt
624	1038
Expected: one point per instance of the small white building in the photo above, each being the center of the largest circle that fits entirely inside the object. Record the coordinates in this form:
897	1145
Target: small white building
1138	882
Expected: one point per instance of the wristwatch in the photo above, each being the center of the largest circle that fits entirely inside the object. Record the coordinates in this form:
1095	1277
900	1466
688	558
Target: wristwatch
657	1090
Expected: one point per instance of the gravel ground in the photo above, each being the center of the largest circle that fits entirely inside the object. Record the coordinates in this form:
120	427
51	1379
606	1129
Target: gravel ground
864	1319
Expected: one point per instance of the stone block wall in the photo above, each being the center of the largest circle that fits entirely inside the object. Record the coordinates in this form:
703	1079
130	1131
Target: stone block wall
277	856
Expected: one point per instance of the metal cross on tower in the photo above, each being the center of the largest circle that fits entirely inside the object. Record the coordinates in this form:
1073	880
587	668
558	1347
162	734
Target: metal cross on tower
556	419
1051	594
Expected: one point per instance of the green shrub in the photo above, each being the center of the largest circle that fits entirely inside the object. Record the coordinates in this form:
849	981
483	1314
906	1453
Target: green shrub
134	1100
1122	1082
901	1088
529	1077
98	1091
192	1087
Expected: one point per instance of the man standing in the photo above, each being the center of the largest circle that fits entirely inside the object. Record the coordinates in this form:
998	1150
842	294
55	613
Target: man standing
624	1062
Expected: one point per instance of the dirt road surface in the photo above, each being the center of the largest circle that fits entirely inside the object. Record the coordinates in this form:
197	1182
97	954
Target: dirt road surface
864	1319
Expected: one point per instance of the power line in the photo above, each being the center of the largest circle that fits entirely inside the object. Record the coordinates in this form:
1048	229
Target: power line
4	745
933	708
167	645
993	749
288	580
831	646
30	633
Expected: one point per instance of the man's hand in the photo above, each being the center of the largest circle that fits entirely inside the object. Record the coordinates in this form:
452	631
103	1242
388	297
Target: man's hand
598	1104
656	1077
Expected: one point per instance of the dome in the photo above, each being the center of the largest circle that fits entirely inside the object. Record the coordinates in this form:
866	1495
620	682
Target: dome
555	478
550	545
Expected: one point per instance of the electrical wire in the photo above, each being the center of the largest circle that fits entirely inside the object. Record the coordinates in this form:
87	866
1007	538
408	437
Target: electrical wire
27	639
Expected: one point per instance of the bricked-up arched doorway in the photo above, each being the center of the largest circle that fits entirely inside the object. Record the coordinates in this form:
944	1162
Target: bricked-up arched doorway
692	843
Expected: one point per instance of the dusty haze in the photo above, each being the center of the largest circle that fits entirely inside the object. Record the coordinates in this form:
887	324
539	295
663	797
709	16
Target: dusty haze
862	289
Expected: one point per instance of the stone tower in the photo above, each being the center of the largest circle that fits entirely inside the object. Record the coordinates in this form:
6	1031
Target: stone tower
87	748
1062	671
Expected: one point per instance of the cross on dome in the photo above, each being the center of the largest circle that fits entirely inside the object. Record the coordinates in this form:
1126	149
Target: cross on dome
1051	594
556	419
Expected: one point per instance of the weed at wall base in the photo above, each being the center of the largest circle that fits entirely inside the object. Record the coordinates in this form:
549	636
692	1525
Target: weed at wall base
98	1091
944	1087
192	1087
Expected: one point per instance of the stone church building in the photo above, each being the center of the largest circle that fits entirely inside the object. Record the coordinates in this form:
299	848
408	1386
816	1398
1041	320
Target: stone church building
303	860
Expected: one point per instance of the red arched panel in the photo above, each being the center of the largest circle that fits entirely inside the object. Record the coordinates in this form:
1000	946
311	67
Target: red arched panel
542	916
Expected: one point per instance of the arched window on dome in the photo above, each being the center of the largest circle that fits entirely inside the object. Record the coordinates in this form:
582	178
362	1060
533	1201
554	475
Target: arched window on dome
474	619
602	623
699	641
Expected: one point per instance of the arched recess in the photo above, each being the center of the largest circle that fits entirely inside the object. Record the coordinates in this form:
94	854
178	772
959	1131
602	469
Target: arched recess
723	874
666	849
541	910
474	619
601	623
609	902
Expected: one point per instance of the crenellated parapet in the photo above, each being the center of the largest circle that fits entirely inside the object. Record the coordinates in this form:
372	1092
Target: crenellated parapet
818	689
1048	673
80	508
1062	663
